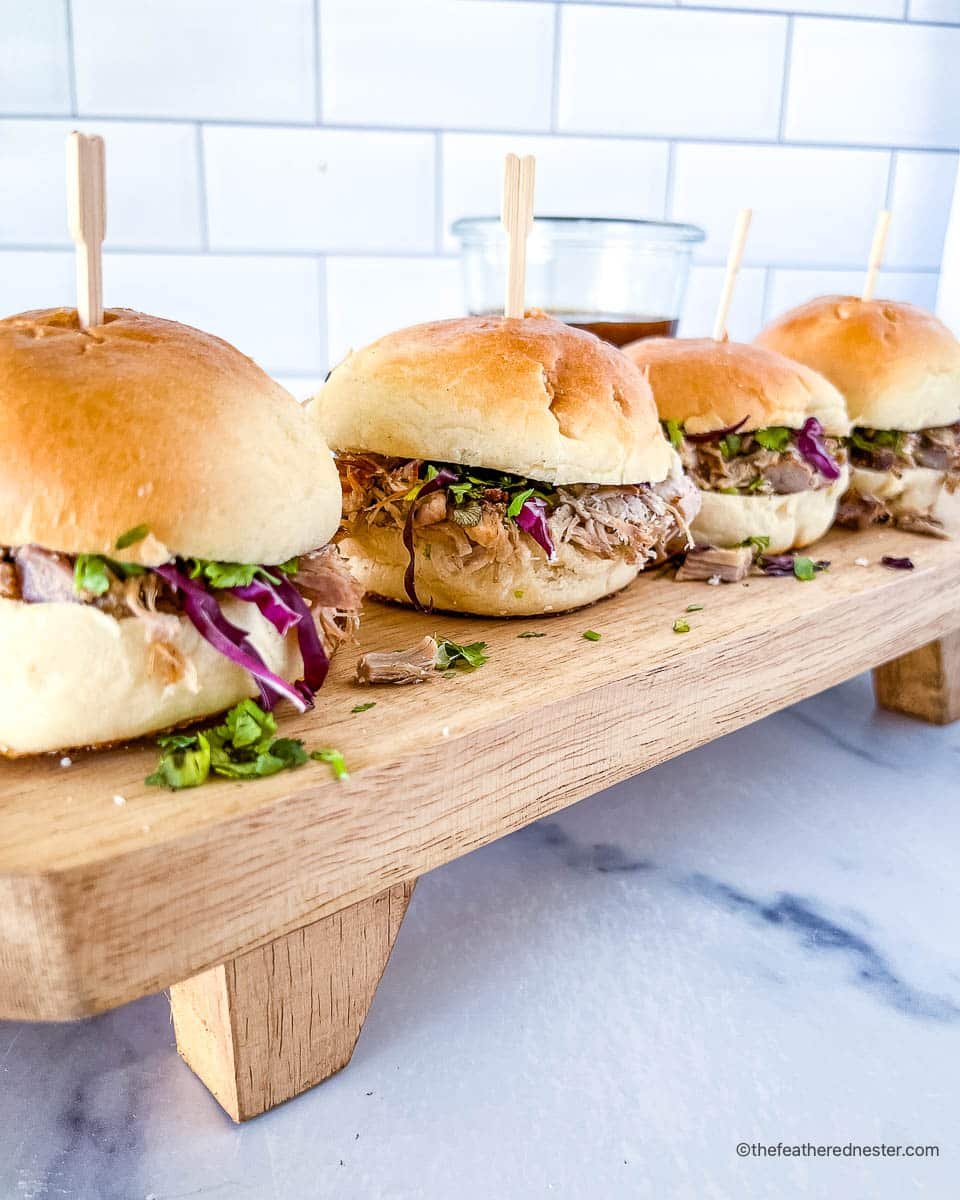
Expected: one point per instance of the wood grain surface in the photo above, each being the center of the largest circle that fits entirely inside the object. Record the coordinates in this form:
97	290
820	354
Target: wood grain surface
100	902
279	1019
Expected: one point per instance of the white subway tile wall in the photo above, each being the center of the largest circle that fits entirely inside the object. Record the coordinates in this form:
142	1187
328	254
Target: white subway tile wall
285	174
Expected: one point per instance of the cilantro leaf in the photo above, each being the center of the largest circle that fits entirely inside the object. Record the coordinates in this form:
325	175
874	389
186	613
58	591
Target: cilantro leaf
182	766
674	433
90	574
518	501
131	537
774	437
335	761
804	568
730	445
681	625
530	634
359	708
591	635
759	542
452	654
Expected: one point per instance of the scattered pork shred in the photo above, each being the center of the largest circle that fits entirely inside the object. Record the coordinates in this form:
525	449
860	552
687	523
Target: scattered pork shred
710	562
399	666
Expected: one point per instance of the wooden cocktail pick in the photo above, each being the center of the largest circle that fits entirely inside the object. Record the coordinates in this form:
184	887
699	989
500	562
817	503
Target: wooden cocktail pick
881	229
87	206
740	231
517	217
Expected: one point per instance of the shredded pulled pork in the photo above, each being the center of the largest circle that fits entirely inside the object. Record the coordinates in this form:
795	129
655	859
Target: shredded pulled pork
938	449
639	522
38	576
754	469
711	562
399	666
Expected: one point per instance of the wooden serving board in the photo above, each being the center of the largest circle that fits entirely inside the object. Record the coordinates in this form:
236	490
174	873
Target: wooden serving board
101	902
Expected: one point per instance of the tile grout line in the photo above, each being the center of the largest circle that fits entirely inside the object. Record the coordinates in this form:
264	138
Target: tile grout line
555	77
71	58
668	190
201	159
439	217
785	87
757	143
317	65
318	255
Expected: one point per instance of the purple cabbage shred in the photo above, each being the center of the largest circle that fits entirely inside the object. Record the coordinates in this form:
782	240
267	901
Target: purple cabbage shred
810	444
898	564
532	519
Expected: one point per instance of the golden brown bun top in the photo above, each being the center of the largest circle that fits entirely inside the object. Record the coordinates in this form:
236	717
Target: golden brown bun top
898	366
142	421
531	396
711	385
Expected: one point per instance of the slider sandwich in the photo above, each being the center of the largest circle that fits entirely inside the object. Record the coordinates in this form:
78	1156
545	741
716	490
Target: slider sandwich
899	369
761	436
500	466
165	517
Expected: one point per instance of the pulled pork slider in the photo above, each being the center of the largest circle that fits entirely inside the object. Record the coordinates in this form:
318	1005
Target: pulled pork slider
500	466
899	368
165	513
761	436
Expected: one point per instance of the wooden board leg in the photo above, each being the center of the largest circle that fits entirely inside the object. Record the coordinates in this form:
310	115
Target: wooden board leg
273	1022
924	684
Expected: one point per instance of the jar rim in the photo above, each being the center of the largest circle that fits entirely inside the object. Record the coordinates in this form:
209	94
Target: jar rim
574	229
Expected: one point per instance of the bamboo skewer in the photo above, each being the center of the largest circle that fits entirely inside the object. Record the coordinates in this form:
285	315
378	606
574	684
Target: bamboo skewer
740	231
880	232
517	217
87	208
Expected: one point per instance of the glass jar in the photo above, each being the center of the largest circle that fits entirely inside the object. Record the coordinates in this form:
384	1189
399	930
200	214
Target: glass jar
621	279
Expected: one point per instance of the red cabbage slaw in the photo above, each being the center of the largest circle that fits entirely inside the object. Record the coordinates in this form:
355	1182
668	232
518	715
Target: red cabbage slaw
283	607
532	519
811	447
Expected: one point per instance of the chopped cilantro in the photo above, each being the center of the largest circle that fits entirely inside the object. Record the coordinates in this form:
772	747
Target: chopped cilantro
674	433
243	747
694	608
452	654
335	761
755	484
730	445
529	633
591	635
518	501
759	542
804	568
225	575
774	437
681	625
131	537
359	708
91	573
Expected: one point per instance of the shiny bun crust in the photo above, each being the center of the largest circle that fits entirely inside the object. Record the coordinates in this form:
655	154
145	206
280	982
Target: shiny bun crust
377	558
529	396
916	490
897	366
142	421
711	385
72	676
788	521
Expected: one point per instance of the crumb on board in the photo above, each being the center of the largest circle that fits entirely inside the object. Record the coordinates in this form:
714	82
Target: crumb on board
714	581
119	800
861	562
66	761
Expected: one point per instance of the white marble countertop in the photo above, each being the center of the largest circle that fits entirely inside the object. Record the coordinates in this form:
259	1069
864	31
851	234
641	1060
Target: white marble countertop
757	942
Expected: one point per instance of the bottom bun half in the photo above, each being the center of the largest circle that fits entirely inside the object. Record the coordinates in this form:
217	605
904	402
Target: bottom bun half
915	491
378	559
72	676
788	521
